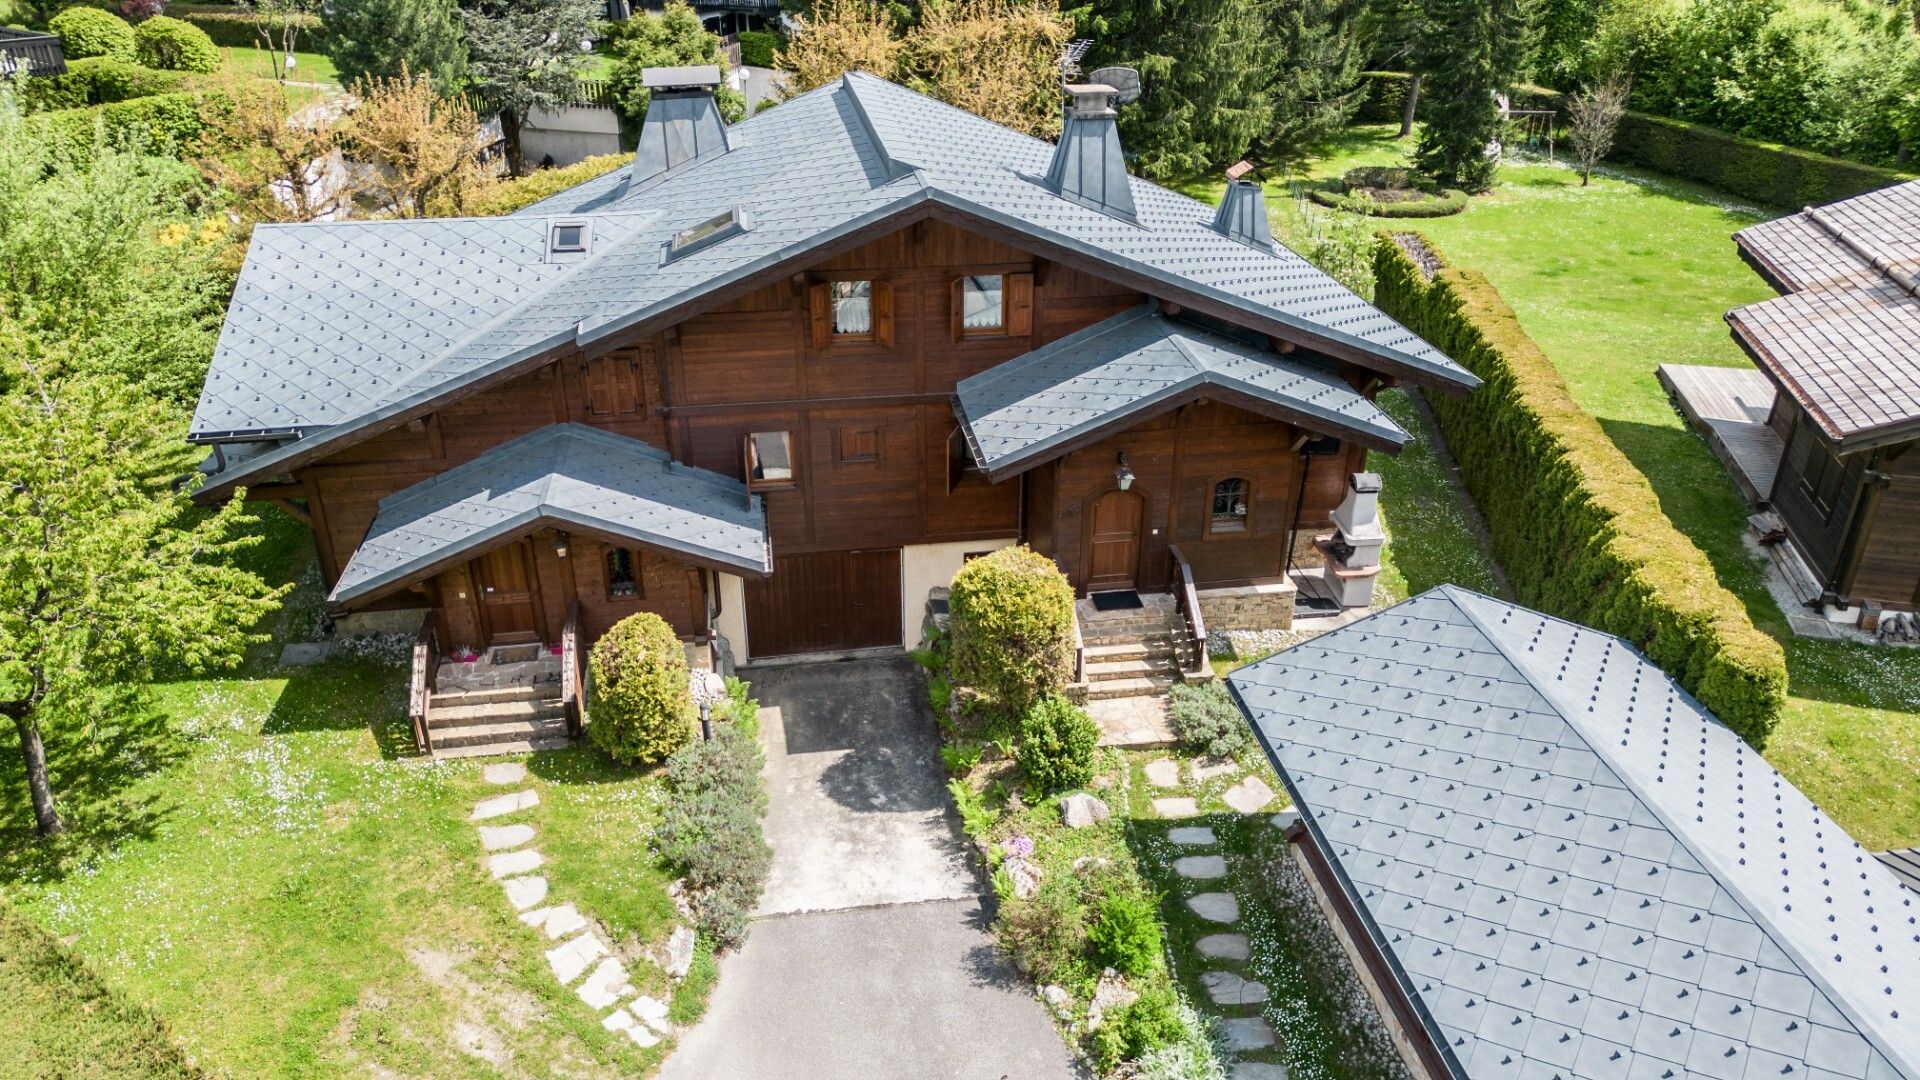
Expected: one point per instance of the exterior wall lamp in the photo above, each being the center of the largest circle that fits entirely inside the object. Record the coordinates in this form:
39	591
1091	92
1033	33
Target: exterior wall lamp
1123	476
560	545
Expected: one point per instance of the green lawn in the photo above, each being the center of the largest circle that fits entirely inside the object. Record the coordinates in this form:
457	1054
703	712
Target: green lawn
1613	280
308	67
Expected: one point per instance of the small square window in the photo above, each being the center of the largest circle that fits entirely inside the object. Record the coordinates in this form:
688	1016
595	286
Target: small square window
772	453
981	307
713	230
570	236
1229	506
852	307
623	574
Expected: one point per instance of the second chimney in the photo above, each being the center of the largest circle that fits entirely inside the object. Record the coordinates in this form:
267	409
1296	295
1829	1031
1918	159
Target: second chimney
1088	166
1243	210
683	119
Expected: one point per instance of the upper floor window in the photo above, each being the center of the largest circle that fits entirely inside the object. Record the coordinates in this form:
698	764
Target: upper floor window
1229	506
852	307
769	458
623	574
850	311
982	304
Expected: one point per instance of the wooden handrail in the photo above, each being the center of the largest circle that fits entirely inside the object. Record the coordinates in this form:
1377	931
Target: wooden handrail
1187	598
426	672
1079	649
573	687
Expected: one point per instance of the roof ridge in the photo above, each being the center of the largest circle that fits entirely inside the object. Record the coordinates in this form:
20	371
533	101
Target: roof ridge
1875	258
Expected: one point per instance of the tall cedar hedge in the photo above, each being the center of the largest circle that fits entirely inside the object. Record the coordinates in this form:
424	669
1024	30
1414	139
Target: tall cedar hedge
1578	528
1012	617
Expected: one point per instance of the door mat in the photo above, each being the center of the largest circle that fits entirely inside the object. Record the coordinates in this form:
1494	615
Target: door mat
516	654
1116	601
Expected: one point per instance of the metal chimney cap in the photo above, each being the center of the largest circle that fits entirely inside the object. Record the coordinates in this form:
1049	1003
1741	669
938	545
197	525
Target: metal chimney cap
702	77
1092	100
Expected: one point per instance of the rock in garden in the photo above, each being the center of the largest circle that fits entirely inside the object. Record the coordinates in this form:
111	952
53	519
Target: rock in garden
1192	835
1284	819
1224	947
679	952
304	653
1258	1070
1111	993
1244	1033
504	772
1226	988
500	837
652	1012
677	888
1248	796
1090	862
1058	1000
571	958
1201	867
1082	810
505	804
1163	773
564	920
1024	874
1175	808
1215	906
525	892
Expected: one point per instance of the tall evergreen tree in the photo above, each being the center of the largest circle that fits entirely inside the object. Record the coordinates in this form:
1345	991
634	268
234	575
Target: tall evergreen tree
1395	30
1474	48
525	55
674	38
377	39
1316	52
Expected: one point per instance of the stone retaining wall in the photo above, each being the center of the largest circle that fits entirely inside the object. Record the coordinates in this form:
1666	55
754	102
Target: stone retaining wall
1249	607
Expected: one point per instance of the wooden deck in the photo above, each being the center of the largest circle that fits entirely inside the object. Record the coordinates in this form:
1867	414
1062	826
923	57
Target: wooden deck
1730	406
1905	866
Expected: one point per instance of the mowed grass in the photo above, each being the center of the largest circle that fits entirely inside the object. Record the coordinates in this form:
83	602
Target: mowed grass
1613	280
258	860
308	67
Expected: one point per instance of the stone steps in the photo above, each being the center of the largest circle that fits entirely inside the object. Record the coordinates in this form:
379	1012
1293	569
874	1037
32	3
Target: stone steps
482	723
1155	634
1148	667
1128	687
456	698
518	737
443	717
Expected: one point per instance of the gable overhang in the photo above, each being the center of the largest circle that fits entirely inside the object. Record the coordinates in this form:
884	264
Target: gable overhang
1784	382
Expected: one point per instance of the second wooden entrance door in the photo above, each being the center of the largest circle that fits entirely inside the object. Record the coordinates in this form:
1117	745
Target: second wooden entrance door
1113	541
825	602
504	577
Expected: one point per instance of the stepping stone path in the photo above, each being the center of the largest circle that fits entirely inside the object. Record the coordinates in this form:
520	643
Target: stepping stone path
1218	907
1163	773
1249	796
1224	947
1192	836
1226	988
1204	771
1201	867
1176	807
1258	1070
582	952
1244	1033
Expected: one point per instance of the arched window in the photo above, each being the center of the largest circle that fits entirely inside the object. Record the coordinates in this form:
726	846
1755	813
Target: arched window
1229	506
623	574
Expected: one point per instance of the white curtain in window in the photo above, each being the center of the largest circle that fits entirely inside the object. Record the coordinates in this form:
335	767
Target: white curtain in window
980	301
852	307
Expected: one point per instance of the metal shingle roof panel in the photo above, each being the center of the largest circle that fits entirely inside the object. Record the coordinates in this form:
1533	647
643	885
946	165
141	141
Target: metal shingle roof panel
566	473
1677	901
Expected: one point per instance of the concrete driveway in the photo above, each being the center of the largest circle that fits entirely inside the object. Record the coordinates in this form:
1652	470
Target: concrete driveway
871	955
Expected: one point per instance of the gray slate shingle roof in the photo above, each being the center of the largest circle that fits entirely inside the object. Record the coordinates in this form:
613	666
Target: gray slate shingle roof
1845	340
565	474
856	152
1575	870
1025	410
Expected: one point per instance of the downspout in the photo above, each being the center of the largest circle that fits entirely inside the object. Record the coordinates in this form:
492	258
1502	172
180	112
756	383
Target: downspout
1299	505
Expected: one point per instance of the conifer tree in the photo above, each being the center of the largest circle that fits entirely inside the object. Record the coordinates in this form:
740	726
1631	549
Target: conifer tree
1315	52
1473	49
378	39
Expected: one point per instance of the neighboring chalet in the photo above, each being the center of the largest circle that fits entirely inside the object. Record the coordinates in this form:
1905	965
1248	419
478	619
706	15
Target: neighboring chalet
1548	861
1841	347
777	381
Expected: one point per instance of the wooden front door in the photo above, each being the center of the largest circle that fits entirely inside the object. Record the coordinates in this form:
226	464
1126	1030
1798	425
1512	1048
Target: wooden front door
504	577
825	602
1113	541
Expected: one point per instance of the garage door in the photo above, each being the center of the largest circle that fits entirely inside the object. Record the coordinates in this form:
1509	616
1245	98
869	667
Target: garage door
825	602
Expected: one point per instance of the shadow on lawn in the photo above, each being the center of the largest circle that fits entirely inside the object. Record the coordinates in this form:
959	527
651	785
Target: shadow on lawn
345	694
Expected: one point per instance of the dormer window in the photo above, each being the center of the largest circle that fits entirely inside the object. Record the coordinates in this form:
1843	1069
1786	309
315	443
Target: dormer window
568	237
711	231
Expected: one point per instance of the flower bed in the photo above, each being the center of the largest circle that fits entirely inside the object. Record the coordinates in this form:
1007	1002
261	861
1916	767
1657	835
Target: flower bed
1392	202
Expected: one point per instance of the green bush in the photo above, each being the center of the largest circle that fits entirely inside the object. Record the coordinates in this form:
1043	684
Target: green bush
1386	97
97	80
1057	740
1578	528
757	48
641	708
173	45
521	192
711	829
164	124
1395	177
1764	172
1046	933
976	817
1206	721
230	26
1445	204
1012	617
962	757
1127	937
89	31
1130	1033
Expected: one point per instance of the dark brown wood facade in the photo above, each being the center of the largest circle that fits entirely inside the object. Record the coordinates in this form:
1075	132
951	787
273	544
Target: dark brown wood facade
1854	518
868	419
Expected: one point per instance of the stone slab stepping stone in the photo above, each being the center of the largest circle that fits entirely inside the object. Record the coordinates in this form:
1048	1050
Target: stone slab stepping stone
1224	946
1217	907
1163	773
570	959
1244	1033
642	1038
1192	835
505	804
504	772
607	985
652	1012
514	862
1248	796
558	922
304	653
1258	1070
1226	988
1201	867
620	1021
499	837
525	892
1204	771
1175	808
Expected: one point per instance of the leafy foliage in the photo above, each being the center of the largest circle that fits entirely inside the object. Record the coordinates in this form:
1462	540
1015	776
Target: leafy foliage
839	36
1764	172
1440	204
1476	47
1150	1022
1206	721
507	196
758	47
674	38
976	817
525	55
242	27
641	709
173	45
380	39
423	143
90	31
97	80
1127	935
711	829
1012	618
1057	740
1047	932
266	165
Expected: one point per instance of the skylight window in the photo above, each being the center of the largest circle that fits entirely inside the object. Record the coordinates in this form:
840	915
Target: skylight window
711	231
568	236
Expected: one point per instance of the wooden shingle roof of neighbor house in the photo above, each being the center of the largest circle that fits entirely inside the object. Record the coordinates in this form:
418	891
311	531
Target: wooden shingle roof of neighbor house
336	331
1137	364
1844	339
1572	870
568	476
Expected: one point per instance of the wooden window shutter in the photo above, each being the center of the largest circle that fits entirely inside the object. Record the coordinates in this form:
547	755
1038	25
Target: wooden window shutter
1019	301
820	313
882	301
600	390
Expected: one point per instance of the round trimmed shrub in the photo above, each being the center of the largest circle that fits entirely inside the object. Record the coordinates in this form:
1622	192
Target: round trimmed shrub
1056	745
1012	617
174	45
89	31
641	707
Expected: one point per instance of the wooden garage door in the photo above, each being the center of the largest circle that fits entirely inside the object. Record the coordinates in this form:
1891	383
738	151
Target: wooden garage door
825	602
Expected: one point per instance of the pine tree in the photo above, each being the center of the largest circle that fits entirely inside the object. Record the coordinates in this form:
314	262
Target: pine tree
1473	48
1317	51
525	55
377	39
674	38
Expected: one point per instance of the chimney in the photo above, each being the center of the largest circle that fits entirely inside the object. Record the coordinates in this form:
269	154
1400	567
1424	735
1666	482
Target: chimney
683	119
1088	167
1243	210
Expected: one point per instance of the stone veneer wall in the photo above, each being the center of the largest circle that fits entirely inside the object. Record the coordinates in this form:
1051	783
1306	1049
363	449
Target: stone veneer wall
1249	607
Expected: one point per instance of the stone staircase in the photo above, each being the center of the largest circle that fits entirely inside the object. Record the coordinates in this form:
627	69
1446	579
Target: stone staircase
504	720
1130	659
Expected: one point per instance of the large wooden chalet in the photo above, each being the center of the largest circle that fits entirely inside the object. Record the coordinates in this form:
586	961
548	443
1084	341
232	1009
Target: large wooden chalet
777	381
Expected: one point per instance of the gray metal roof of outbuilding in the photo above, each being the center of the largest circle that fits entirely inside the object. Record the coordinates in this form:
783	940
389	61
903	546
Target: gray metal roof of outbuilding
562	474
855	153
1035	406
1573	869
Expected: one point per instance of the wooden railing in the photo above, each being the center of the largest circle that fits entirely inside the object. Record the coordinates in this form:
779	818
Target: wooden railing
1079	649
1194	663
426	668
573	678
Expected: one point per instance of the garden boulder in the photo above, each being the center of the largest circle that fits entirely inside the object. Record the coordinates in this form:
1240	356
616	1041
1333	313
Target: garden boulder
1081	810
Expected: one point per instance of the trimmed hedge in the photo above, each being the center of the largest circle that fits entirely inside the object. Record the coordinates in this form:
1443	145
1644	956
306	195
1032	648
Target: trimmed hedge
1012	617
757	47
1764	172
1445	204
96	80
640	706
1578	528
232	26
89	31
166	124
1385	99
175	45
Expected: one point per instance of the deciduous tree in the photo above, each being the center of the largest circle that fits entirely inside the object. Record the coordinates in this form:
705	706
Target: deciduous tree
995	58
525	55
280	24
1592	119
674	38
839	36
424	145
381	38
277	167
